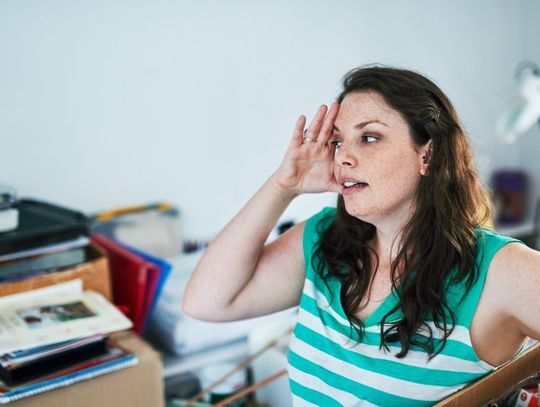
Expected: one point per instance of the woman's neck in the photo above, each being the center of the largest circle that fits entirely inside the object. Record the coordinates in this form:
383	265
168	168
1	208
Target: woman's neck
388	235
386	246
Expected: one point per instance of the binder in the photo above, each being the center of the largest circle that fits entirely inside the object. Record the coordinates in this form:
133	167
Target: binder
132	279
164	271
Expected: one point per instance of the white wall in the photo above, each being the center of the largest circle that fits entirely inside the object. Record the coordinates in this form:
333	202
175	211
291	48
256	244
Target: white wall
108	103
528	146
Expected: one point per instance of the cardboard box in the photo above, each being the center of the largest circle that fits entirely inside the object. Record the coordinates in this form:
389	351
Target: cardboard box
497	382
137	386
94	274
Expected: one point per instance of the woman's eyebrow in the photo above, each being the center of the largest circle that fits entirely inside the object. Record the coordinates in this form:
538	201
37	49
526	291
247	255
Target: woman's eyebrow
363	124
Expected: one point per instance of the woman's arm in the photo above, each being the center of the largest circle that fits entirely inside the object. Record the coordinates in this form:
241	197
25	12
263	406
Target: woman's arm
518	286
238	254
238	276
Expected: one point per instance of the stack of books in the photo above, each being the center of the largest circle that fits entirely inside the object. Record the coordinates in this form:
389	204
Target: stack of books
56	336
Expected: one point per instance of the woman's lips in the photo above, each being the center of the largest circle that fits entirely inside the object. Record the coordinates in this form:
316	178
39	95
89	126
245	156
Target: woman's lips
353	189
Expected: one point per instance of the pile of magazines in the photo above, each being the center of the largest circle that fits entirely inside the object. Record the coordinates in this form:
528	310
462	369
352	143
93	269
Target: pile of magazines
56	336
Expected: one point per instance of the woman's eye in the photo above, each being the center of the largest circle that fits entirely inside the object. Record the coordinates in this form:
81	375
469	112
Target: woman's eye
369	138
336	144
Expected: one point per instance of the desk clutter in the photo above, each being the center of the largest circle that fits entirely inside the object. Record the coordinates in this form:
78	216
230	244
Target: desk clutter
63	292
52	244
132	258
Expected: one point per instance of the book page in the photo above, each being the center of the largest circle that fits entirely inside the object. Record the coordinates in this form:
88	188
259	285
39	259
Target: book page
54	314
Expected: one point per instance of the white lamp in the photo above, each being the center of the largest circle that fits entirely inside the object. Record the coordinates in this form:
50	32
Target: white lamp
525	111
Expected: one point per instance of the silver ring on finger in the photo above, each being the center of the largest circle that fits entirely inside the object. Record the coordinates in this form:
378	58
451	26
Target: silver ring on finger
308	138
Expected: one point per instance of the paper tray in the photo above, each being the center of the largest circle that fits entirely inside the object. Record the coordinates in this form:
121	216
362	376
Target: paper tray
41	224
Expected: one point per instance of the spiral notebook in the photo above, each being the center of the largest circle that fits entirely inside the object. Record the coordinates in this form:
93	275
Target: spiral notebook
114	359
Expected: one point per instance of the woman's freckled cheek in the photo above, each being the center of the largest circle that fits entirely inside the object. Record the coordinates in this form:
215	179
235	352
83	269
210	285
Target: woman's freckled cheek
392	173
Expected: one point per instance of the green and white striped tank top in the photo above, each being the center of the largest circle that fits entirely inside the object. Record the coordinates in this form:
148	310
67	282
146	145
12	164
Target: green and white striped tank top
328	366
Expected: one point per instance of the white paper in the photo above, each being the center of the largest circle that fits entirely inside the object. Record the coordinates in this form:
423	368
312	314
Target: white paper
71	289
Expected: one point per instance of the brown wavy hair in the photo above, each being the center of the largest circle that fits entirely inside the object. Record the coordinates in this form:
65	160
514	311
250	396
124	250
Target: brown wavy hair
440	237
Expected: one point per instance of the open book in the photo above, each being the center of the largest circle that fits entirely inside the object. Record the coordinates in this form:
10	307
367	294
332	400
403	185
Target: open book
54	314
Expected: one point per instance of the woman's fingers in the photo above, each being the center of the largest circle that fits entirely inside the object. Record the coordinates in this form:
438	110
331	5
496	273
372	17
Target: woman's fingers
328	124
307	165
315	125
320	128
298	132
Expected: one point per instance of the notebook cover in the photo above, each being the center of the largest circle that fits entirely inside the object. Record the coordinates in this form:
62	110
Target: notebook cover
131	276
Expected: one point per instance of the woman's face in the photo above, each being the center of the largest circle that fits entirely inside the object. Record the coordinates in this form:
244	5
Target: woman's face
374	147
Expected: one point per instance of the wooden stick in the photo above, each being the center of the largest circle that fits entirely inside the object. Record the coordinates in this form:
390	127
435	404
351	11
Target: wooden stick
251	388
241	365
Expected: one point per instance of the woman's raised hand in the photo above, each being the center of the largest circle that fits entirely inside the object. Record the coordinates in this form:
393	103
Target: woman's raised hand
308	163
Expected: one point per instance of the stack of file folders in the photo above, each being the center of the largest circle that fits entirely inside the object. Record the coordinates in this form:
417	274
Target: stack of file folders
136	240
48	238
56	336
137	279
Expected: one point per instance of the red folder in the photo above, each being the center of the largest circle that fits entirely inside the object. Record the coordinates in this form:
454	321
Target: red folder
133	278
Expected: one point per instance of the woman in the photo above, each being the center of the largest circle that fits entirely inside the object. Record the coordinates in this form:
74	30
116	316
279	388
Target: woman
404	296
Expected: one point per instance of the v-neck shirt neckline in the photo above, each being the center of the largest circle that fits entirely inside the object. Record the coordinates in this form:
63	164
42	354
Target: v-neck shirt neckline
384	307
375	317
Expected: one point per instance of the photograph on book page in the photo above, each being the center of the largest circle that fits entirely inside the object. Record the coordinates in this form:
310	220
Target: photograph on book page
65	312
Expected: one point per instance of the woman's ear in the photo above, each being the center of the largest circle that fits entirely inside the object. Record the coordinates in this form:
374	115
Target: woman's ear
426	154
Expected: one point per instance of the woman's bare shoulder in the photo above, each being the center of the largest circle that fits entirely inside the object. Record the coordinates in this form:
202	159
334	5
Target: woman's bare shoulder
515	261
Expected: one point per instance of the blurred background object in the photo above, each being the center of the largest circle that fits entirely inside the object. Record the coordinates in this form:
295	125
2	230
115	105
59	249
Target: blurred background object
153	228
524	110
9	215
510	193
514	181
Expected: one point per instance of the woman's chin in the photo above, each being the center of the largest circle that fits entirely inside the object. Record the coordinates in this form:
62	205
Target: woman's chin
358	213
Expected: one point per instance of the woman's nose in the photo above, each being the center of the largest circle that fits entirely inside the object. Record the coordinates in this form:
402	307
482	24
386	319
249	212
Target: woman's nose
344	157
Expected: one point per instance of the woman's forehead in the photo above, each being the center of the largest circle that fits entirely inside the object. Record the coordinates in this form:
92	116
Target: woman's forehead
360	107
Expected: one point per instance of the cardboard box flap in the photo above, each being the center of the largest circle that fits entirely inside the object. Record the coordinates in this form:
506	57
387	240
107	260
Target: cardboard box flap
497	382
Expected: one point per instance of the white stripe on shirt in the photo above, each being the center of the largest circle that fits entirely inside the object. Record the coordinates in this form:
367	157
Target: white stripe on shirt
413	358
